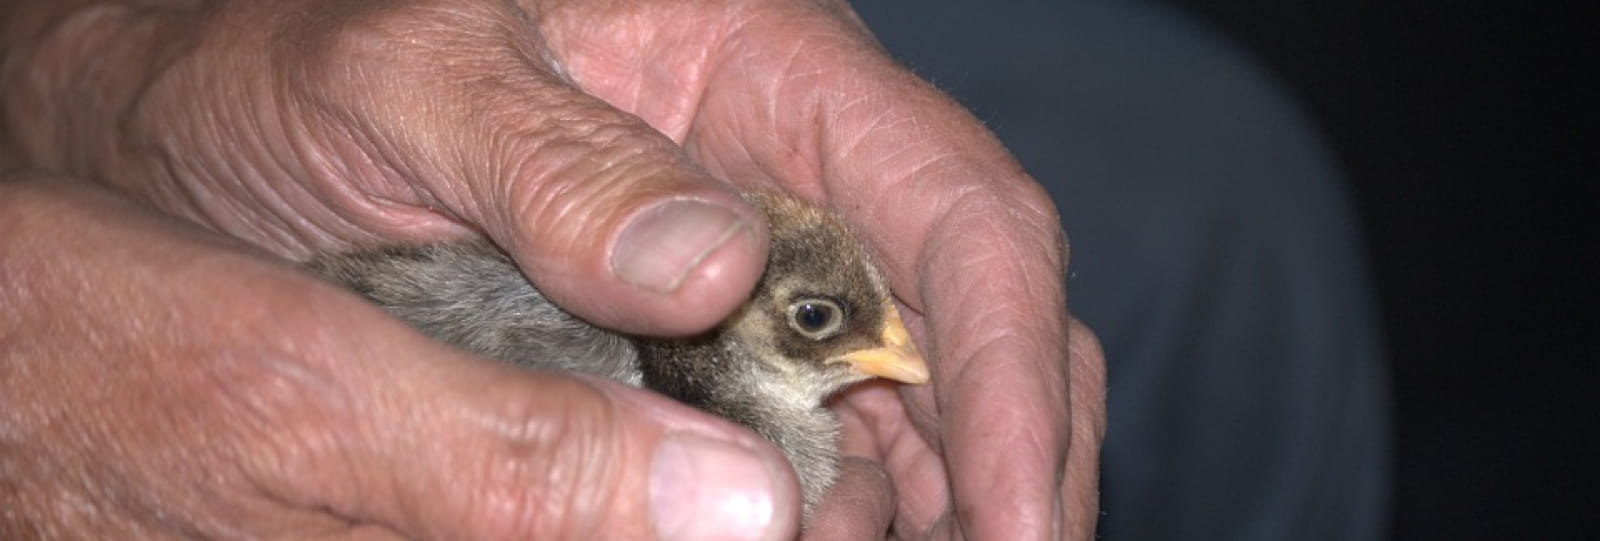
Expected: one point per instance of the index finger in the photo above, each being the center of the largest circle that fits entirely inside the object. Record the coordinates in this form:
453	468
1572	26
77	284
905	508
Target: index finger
996	309
967	239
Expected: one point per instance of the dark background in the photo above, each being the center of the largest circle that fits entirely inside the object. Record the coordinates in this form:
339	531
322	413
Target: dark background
1464	129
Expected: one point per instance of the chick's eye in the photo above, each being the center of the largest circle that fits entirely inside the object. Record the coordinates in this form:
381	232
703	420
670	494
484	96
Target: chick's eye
813	317
816	318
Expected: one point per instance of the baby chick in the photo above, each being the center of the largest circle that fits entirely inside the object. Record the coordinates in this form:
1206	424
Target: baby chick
821	318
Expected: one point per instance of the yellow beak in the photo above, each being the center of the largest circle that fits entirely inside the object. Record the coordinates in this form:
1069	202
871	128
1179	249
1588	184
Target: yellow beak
897	359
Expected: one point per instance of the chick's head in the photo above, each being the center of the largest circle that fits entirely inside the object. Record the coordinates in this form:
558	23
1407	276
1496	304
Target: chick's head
822	315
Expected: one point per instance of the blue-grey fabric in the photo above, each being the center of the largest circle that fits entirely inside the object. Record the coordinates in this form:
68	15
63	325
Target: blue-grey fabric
1213	250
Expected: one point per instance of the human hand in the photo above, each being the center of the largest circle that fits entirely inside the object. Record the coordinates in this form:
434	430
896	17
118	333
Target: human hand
164	382
305	126
1004	445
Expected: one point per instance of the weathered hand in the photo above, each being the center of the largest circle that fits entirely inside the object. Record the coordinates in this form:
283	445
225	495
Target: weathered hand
798	94
305	125
159	381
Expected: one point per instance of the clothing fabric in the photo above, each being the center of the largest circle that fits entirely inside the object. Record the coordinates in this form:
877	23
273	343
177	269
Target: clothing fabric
1213	251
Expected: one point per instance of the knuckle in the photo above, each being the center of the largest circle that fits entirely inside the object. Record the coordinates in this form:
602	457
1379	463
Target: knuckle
393	41
270	383
553	467
579	157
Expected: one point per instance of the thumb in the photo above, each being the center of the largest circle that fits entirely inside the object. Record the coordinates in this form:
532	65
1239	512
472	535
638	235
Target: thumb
497	452
613	223
605	214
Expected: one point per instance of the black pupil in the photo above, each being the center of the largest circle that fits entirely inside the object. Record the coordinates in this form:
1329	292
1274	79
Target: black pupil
813	316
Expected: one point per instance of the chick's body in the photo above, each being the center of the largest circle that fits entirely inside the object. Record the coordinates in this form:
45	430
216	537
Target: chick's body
820	319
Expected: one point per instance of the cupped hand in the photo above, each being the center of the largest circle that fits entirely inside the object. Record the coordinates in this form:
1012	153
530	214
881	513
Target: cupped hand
1004	445
583	137
306	125
163	382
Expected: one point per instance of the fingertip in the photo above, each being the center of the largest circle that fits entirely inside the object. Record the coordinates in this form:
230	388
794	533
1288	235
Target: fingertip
688	263
703	488
709	479
668	257
661	246
861	504
596	458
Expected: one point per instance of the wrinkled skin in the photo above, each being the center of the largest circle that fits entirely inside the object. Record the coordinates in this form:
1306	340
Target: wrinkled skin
160	379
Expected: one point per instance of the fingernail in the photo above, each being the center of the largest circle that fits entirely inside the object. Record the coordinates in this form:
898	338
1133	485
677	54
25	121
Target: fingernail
664	244
707	489
1056	522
